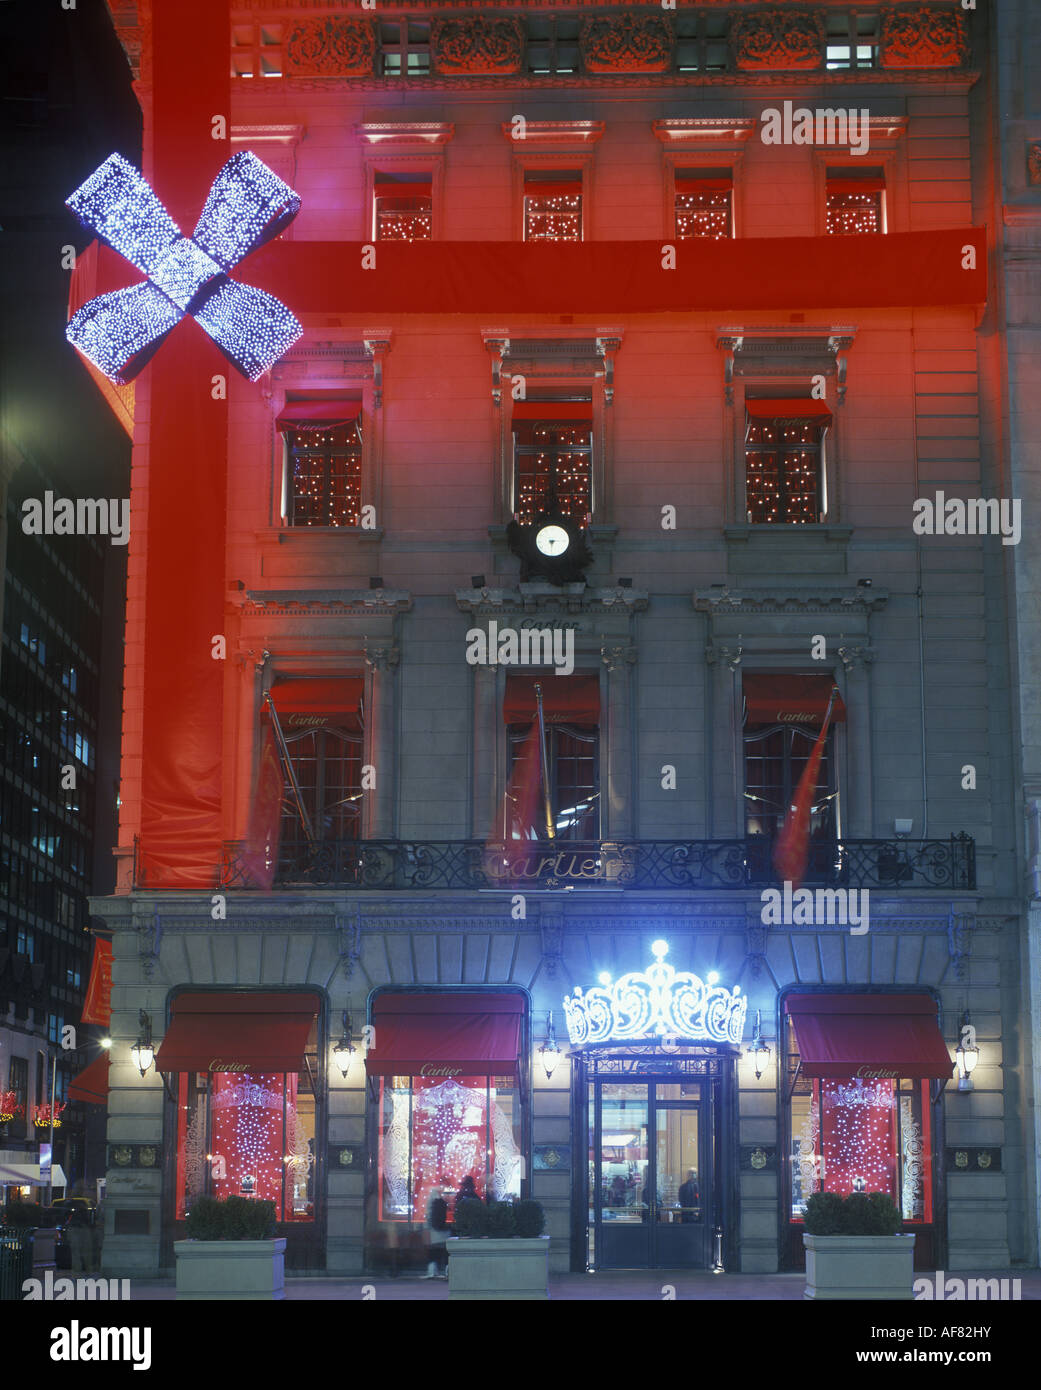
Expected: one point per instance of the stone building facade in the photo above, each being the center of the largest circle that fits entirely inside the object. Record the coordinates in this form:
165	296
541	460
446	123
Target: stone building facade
881	372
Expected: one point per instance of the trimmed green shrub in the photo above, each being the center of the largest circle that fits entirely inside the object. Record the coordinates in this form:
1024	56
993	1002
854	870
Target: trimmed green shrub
500	1220
859	1214
469	1220
236	1218
824	1214
531	1219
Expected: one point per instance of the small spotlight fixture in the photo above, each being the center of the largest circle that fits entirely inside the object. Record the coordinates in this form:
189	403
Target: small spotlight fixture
863	583
478	581
376	581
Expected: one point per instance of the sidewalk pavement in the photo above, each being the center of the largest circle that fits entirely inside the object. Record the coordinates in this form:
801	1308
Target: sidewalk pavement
612	1285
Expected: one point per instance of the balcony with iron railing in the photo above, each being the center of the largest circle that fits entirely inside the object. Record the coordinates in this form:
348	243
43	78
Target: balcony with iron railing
639	865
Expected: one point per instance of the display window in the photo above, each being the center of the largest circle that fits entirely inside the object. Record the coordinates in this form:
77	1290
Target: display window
435	1132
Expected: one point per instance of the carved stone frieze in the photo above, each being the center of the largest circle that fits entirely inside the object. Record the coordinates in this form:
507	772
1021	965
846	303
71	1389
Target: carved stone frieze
631	42
331	47
778	39
924	37
477	46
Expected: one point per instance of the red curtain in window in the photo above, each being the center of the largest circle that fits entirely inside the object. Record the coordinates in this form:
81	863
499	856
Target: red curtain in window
551	411
317	415
565	699
706	185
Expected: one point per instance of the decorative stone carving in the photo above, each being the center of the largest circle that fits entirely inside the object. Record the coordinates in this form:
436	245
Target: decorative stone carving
618	658
478	46
331	47
627	43
924	38
1034	162
778	39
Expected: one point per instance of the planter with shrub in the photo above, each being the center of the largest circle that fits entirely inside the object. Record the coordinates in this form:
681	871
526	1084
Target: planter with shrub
231	1251
854	1248
497	1251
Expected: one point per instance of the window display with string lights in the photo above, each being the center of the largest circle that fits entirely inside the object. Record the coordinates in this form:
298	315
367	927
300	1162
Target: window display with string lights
855	202
324	476
436	1131
783	483
553	207
404	217
550	457
704	206
247	1134
862	1135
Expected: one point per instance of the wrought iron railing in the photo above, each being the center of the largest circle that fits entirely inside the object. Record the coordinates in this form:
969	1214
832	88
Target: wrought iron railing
639	864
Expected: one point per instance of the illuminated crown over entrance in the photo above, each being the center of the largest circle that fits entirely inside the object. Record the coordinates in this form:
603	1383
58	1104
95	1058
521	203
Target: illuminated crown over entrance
659	1002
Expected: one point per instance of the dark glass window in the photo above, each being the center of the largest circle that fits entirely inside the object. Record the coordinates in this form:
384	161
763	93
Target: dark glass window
552	456
324	476
573	778
784	471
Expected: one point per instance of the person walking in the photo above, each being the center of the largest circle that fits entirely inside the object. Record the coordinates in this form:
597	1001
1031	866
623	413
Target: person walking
467	1190
688	1198
81	1239
437	1224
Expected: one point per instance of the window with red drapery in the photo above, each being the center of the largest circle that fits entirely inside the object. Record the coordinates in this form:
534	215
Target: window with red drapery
321	720
244	1068
704	203
403	207
571	714
323	463
552	459
785	482
860	1070
445	1068
856	202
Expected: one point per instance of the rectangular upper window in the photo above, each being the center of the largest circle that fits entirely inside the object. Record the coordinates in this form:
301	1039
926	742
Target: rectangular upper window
552	459
552	44
856	202
704	203
784	461
402	207
567	786
404	48
553	205
852	40
322	484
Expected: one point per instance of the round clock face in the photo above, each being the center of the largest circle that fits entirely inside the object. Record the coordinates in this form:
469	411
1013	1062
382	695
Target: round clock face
552	540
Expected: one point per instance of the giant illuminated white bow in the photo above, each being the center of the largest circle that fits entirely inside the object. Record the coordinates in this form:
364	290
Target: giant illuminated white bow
247	206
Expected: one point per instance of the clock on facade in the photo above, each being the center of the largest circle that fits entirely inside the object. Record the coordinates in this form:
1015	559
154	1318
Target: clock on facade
552	546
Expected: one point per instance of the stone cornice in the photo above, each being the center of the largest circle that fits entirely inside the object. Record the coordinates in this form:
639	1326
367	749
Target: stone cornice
790	598
548	600
957	81
328	603
393	135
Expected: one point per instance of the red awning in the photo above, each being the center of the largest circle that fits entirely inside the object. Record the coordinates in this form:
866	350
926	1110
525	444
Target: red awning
565	699
92	1083
856	185
869	1035
788	408
553	410
238	1033
312	703
303	415
446	1035
777	698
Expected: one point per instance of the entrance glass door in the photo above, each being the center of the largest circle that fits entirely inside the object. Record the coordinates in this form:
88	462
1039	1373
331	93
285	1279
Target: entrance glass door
649	1175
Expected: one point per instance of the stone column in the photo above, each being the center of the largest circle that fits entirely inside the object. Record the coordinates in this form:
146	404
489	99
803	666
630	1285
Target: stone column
727	812
486	798
617	819
378	819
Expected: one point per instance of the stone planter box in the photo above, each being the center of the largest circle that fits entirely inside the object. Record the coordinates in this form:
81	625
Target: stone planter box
871	1267
489	1268
231	1269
